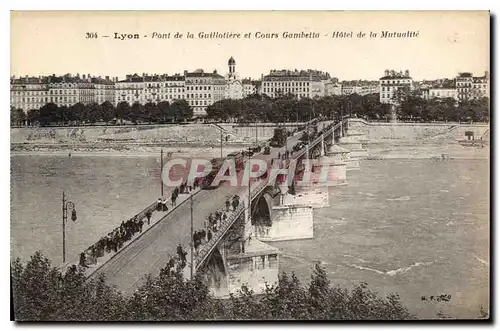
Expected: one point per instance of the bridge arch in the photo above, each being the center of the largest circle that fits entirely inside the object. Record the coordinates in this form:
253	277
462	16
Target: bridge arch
262	210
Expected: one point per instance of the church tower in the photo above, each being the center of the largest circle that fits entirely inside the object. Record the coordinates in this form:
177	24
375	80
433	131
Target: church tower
232	67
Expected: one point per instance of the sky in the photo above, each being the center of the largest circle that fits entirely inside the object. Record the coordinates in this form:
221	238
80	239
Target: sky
44	43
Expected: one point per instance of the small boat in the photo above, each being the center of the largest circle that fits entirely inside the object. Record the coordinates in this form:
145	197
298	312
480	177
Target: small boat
474	143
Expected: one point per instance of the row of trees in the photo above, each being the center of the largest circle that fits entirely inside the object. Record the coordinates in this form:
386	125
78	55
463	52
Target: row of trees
78	114
287	108
447	109
43	293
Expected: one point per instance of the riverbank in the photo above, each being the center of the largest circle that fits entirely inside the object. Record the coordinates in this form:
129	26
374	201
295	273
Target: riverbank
424	150
376	150
125	150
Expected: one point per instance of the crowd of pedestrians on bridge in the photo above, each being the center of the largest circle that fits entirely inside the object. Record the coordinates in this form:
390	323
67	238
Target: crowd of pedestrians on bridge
113	241
201	237
116	239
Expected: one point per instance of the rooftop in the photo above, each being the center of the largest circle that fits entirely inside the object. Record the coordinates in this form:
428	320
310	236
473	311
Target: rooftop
309	73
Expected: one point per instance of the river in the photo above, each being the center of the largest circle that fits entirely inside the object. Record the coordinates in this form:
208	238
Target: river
412	227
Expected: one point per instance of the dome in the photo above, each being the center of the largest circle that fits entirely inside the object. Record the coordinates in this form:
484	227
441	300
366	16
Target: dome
231	61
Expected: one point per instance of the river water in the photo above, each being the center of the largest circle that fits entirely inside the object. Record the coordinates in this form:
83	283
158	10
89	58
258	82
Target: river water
412	227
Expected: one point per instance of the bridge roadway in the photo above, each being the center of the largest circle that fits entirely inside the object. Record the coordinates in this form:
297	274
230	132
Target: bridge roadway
151	251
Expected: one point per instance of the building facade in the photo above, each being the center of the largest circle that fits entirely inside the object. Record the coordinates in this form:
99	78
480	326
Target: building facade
359	89
333	88
442	93
34	92
104	90
28	93
203	89
249	87
391	83
302	84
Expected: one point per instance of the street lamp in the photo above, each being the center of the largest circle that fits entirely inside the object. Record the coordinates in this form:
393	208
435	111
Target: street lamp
192	240
65	206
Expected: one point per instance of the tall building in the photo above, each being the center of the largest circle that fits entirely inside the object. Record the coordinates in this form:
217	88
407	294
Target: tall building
203	89
333	88
392	82
480	86
35	92
150	88
302	84
131	89
249	87
469	87
464	85
104	89
28	92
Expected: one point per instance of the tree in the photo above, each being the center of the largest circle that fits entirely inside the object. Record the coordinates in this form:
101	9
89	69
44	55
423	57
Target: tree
17	116
164	113
93	113
48	114
78	112
151	113
107	111
43	293
33	116
136	112
122	111
181	110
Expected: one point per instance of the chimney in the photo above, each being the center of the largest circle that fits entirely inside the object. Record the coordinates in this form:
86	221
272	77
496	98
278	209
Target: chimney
407	73
185	72
386	72
107	77
83	76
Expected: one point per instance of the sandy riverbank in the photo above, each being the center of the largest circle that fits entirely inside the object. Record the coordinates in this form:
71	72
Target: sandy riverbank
135	151
424	150
376	150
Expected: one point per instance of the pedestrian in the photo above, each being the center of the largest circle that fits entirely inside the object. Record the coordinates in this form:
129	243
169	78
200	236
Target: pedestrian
148	216
173	198
179	251
164	203
209	235
183	259
227	204
82	260
224	216
141	224
159	204
210	218
203	234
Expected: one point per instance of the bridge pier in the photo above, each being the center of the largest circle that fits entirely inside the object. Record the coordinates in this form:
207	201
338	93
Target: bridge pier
353	141
290	222
336	163
241	259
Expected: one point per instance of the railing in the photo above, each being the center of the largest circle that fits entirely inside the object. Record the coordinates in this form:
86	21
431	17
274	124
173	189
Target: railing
226	225
139	216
